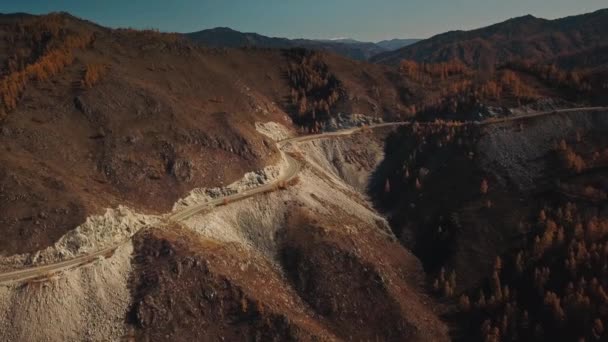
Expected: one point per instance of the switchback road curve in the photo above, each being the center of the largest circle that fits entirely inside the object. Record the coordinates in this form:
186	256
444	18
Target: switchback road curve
292	170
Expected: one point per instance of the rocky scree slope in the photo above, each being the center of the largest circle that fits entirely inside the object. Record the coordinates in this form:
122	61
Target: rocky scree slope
284	264
93	118
277	266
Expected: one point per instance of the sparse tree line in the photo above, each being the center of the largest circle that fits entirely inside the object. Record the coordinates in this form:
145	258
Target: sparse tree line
554	285
576	80
428	72
458	88
580	159
554	289
426	137
50	52
92	74
314	89
461	87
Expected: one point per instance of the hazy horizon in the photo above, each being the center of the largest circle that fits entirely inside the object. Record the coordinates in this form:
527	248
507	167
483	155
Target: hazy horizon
355	19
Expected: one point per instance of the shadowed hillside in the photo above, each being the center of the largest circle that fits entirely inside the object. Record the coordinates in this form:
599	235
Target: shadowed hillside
508	219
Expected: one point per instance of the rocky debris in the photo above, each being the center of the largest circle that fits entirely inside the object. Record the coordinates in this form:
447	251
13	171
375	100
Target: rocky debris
273	130
518	155
81	105
250	228
323	257
482	112
204	290
114	227
258	224
254	222
82	304
349	160
344	121
101	133
543	105
182	170
250	180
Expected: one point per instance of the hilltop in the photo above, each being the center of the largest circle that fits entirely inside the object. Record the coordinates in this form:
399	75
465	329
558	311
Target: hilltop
524	37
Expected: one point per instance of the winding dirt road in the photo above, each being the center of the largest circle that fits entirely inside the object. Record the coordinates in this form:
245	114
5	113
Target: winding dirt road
292	170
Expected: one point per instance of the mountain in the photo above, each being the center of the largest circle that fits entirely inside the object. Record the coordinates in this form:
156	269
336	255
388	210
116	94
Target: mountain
394	44
524	37
105	132
155	189
356	50
388	45
226	37
340	40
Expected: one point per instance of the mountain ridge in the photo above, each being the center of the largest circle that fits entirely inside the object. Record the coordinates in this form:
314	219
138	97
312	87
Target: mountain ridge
525	37
227	37
397	43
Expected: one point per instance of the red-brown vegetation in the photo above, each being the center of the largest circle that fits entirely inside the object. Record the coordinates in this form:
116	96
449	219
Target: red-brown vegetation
554	75
152	34
426	72
49	35
483	188
561	290
571	159
314	89
452	86
525	293
92	74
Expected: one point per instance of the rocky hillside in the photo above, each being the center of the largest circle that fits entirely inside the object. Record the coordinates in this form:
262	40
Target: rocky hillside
507	219
277	266
117	117
93	118
105	133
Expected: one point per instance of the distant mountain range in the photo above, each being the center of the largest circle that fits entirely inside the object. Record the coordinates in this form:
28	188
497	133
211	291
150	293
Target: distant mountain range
524	37
394	44
227	37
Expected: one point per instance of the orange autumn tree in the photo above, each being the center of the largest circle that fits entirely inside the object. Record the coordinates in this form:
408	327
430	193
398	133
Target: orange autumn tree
440	70
50	41
92	74
483	188
315	90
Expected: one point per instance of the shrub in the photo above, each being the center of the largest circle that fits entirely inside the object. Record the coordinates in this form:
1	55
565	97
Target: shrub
92	74
573	161
49	40
483	188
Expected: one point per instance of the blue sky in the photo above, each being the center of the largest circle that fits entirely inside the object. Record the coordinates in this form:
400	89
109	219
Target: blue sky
359	19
